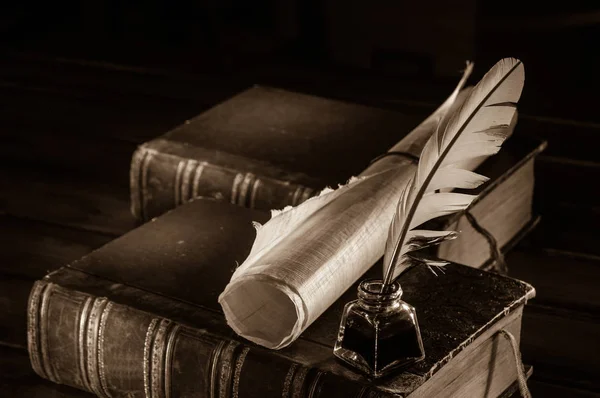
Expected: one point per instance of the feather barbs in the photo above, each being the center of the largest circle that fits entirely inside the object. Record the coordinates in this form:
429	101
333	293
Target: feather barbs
473	129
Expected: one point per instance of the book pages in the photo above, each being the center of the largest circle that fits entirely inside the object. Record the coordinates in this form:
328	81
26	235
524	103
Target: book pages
305	257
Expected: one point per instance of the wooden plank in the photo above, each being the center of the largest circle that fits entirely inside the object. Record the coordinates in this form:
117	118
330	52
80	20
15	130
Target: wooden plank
98	159
67	199
562	343
179	83
564	180
103	79
565	137
30	249
554	390
56	113
32	69
78	180
194	92
560	279
567	227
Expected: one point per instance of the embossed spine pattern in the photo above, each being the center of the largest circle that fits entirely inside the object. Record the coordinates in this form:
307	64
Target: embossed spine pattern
156	357
160	182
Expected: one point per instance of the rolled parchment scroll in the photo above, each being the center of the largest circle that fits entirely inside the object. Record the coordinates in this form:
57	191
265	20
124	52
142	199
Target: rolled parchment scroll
305	257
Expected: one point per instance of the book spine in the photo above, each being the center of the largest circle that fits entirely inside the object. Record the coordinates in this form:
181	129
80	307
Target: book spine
112	350
160	182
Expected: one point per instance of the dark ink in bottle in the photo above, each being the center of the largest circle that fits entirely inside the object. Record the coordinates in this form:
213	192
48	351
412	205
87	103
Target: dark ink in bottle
379	332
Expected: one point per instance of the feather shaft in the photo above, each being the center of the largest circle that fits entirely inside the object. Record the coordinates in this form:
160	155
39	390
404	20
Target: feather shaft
486	116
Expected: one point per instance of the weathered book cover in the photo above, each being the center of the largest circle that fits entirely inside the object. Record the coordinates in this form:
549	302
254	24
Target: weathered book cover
264	148
502	213
17	379
139	318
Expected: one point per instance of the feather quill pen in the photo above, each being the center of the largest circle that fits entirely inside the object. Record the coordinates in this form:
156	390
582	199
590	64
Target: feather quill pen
477	128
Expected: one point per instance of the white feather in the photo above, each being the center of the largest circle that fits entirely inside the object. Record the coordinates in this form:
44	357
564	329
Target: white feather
464	135
452	177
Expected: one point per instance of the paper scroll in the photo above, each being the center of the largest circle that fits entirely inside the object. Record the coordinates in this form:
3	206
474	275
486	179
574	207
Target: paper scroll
305	257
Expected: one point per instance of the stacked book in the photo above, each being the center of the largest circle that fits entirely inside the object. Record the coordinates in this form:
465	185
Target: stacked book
267	148
140	317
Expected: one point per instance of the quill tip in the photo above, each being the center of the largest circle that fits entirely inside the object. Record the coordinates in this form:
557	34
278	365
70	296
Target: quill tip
469	65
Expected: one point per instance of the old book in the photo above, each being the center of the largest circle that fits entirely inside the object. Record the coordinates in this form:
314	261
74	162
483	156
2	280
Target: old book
139	317
264	148
502	213
268	148
17	379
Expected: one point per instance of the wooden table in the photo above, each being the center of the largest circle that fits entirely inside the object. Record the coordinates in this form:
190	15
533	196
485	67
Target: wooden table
69	129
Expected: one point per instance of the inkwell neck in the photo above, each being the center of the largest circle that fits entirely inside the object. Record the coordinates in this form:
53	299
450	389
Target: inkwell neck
371	297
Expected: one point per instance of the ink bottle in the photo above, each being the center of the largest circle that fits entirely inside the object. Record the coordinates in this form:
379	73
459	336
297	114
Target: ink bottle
379	332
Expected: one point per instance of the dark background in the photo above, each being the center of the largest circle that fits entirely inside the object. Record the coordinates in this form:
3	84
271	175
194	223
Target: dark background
83	83
557	41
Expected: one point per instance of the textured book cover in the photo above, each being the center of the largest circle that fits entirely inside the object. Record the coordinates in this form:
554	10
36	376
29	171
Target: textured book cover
263	148
502	213
139	318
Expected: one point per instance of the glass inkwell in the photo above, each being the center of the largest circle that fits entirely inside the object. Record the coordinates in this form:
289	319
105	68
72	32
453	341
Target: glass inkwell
379	332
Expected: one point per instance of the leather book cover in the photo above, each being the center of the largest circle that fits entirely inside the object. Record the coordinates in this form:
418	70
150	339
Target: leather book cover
263	148
139	317
502	213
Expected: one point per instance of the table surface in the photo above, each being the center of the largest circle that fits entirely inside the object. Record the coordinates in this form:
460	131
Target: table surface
69	129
